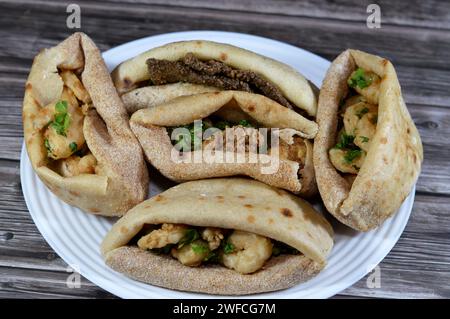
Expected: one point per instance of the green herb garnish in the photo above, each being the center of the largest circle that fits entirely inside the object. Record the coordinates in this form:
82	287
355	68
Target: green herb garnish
73	147
222	125
189	236
359	79
345	141
61	107
361	112
245	123
195	135
351	155
196	132
62	118
199	248
364	139
228	248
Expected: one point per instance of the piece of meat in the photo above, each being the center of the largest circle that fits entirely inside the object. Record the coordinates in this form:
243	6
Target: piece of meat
213	67
213	236
163	72
214	73
159	238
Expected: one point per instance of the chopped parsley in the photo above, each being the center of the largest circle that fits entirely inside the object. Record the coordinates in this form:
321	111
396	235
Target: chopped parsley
360	113
359	79
345	141
199	248
222	125
364	139
189	236
245	123
228	248
195	134
62	118
73	147
351	155
61	107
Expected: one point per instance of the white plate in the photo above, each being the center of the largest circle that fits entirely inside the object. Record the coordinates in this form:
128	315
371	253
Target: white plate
76	236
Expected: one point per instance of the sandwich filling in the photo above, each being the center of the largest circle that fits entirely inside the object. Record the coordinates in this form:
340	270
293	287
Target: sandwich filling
358	116
241	251
214	133
62	126
212	73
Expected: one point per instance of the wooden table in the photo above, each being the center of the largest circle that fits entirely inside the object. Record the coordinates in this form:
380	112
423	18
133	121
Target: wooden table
415	35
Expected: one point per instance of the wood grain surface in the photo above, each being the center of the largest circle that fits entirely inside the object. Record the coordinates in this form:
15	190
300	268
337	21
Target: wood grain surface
414	35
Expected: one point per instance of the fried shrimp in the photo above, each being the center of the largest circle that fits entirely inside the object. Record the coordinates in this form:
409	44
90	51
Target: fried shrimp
64	135
360	121
250	252
347	161
168	234
213	237
355	99
191	254
76	165
371	91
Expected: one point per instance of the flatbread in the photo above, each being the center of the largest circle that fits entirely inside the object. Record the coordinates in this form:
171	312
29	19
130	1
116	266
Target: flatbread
393	162
149	127
292	84
232	203
121	180
150	96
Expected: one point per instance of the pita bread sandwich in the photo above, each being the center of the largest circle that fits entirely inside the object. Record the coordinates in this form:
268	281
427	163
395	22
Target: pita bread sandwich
235	90
77	130
368	152
191	67
229	236
235	135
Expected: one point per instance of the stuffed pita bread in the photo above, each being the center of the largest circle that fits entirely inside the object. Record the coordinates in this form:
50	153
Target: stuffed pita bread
240	133
77	132
220	236
368	152
207	64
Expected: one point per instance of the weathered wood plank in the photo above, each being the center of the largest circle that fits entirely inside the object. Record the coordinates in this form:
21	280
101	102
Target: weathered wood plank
423	248
424	79
143	20
419	264
12	147
28	283
433	14
429	14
